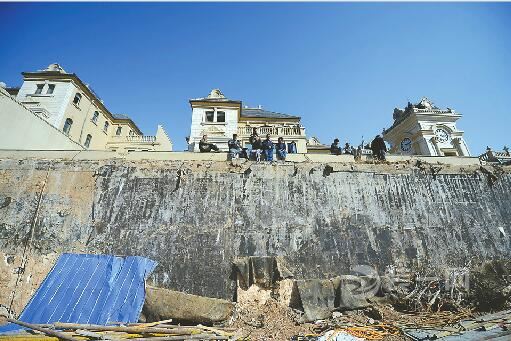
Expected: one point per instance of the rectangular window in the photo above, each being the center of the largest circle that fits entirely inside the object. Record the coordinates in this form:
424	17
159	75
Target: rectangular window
118	131
39	89
105	127
51	87
220	116
210	115
95	117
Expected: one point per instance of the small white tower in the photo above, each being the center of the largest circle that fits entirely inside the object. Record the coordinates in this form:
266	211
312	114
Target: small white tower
424	129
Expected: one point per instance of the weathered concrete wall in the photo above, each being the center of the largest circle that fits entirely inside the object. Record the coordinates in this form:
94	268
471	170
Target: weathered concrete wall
195	217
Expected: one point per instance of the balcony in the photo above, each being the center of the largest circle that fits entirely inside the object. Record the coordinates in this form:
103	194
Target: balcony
140	139
136	141
274	131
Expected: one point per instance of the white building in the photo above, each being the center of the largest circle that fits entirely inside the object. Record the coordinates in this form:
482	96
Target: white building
424	129
66	103
220	118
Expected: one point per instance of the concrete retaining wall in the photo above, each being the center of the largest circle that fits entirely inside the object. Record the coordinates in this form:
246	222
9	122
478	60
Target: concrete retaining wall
195	217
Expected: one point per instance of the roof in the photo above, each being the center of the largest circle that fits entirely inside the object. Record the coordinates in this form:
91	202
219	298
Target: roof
121	117
258	112
424	106
91	289
214	96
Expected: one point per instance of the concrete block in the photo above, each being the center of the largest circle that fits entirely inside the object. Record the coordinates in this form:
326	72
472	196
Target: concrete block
162	304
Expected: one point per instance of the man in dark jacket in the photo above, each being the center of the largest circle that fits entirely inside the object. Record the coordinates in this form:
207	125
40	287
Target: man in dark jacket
335	148
378	148
257	148
268	148
205	146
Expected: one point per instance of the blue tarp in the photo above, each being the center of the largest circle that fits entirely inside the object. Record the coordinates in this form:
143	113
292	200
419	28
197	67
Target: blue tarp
90	289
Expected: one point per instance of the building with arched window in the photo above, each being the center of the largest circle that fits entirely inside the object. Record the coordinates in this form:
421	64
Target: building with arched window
425	129
220	118
68	104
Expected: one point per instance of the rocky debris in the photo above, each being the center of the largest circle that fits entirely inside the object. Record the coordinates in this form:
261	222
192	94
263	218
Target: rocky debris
161	304
258	316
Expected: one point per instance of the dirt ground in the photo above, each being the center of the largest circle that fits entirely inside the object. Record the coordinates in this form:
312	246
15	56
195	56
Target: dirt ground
259	317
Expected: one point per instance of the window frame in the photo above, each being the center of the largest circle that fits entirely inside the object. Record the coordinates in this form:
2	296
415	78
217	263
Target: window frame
52	88
118	131
95	117
68	123
79	96
106	126
220	112
88	140
39	89
212	112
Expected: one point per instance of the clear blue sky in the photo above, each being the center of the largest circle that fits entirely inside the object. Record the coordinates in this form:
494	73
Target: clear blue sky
343	67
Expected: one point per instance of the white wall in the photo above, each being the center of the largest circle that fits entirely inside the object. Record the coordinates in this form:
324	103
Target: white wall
218	133
55	103
23	130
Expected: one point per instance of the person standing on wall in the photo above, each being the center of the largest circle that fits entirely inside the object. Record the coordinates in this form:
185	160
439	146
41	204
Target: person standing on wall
268	148
379	148
280	147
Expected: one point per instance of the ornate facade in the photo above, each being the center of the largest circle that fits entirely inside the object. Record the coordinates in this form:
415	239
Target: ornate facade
424	129
66	103
220	118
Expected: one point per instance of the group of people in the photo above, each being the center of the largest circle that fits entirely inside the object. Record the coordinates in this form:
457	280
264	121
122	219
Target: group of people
377	146
256	150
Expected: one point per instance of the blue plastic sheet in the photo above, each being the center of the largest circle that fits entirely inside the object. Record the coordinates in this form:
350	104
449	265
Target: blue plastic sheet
90	289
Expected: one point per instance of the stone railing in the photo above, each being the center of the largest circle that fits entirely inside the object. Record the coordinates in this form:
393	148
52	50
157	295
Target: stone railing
275	131
134	139
495	156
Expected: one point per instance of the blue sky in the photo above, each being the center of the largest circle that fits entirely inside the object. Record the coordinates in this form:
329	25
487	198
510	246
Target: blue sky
343	67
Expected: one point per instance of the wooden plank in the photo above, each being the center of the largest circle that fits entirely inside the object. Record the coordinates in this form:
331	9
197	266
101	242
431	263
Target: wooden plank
48	332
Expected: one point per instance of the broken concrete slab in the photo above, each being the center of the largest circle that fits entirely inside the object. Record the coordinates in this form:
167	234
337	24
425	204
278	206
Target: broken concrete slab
317	298
352	291
264	271
163	304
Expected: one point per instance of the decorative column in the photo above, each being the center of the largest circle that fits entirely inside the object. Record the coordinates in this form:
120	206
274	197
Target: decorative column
456	141
435	144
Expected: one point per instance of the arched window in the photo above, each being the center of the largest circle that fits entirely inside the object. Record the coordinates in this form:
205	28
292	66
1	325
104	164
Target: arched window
105	127
95	117
87	141
118	131
77	99
67	126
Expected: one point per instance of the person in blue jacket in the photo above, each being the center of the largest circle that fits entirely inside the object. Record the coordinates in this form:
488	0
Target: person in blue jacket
280	147
268	148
